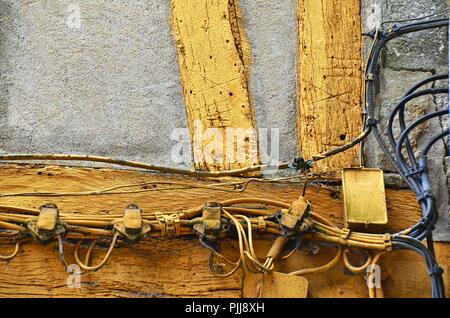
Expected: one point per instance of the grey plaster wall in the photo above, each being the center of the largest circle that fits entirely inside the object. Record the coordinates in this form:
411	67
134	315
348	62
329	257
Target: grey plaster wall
272	31
110	85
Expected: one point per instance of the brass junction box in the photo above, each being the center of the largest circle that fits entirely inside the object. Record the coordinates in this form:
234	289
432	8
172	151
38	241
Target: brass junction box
364	199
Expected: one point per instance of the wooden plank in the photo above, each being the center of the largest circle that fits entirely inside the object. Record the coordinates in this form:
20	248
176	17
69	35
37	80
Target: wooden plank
274	285
402	207
330	78
179	267
175	268
403	274
213	60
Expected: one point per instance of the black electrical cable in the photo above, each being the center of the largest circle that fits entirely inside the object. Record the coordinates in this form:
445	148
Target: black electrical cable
424	188
434	271
415	19
415	175
416	123
387	153
385	37
435	139
401	115
370	85
399	108
428	80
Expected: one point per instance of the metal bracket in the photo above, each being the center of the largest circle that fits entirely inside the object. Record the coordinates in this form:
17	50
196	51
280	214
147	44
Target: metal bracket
291	219
132	228
213	226
47	225
300	164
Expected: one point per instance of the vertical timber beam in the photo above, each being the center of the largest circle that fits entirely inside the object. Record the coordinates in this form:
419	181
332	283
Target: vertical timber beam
213	58
330	79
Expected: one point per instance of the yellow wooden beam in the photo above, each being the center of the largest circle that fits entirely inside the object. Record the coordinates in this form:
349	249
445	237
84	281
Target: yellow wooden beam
179	267
213	60
330	79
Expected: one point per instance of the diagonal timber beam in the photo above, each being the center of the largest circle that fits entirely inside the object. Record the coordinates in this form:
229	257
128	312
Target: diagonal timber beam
212	55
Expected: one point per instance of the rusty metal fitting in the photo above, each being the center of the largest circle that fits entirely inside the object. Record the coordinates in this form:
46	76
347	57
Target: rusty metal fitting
291	219
213	227
47	225
132	228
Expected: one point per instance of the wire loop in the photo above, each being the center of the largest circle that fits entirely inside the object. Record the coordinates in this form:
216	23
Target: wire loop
13	254
86	266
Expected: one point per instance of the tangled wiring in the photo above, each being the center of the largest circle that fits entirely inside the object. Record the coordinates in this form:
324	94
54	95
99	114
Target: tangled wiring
288	222
413	170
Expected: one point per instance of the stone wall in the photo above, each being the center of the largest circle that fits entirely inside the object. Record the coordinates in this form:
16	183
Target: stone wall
406	61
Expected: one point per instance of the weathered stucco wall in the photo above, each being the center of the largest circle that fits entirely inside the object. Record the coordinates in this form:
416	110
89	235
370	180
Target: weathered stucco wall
110	85
272	31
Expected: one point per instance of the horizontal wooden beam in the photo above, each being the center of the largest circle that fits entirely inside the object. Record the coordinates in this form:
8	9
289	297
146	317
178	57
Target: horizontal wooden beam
179	267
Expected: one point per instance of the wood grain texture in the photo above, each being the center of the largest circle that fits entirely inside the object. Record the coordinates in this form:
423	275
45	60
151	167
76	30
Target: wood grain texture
330	78
213	60
403	274
175	268
274	285
179	267
403	210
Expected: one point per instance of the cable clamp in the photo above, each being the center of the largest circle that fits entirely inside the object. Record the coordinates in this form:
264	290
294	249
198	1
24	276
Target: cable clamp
291	219
132	228
387	242
213	226
175	224
394	28
372	33
414	171
47	225
424	195
261	224
170	224
371	121
435	270
370	77
345	233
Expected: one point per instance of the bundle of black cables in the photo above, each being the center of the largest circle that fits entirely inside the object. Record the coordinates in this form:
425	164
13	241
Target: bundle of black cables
413	170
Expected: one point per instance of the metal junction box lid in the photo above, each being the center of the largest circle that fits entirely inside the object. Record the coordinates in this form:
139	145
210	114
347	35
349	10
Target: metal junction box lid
364	199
